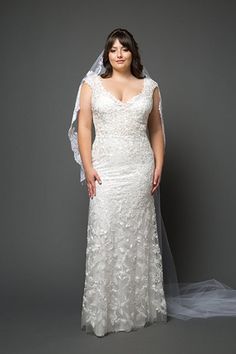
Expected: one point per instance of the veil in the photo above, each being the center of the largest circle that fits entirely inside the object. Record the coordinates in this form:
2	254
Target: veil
203	299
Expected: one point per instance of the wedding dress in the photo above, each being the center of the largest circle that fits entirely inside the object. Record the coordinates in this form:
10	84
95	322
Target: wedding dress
130	277
124	280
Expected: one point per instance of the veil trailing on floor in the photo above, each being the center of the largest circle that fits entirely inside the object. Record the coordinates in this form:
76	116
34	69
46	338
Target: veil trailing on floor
203	299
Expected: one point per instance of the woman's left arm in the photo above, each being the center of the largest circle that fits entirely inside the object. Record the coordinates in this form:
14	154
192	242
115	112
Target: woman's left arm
156	138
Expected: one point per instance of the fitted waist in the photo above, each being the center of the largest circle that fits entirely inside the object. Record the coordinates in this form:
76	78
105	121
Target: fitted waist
120	146
117	151
139	135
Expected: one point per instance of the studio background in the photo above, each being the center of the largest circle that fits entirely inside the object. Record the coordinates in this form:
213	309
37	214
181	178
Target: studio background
46	49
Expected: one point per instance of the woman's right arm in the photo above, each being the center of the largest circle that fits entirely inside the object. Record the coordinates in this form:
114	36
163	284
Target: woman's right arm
85	126
85	138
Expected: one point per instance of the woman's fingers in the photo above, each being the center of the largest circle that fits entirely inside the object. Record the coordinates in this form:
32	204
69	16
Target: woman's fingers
98	178
156	181
90	190
94	188
92	184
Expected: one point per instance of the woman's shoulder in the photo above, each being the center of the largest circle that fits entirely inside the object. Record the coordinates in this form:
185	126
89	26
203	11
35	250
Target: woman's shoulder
152	82
89	78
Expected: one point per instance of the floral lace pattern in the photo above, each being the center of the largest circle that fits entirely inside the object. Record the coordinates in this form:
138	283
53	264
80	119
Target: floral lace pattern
123	287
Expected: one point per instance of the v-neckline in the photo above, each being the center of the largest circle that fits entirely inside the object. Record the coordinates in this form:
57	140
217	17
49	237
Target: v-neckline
117	99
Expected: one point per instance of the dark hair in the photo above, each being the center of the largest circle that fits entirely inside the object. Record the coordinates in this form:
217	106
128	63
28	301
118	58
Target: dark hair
127	40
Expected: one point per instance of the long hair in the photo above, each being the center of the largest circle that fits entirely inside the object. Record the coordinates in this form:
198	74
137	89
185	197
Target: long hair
128	41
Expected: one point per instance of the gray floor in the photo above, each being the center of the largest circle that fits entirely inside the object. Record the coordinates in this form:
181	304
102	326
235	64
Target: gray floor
57	331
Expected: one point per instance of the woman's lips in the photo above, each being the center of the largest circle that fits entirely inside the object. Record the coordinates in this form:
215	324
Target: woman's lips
120	61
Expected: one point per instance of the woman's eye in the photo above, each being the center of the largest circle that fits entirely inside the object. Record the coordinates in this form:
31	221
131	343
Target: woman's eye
113	50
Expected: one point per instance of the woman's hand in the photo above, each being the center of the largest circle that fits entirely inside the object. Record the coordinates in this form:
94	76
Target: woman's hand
156	179
91	177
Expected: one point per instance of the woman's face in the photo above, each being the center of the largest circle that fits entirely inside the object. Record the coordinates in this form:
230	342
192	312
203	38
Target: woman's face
120	57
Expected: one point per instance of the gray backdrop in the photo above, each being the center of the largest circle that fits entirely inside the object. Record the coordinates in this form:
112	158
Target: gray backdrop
46	48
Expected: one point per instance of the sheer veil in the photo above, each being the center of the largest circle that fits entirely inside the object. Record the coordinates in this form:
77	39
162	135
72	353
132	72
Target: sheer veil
203	299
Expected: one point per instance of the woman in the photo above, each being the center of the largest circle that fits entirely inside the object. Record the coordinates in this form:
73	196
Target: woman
127	248
123	285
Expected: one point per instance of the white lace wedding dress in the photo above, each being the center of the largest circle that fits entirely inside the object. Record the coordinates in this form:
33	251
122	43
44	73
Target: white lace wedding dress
123	287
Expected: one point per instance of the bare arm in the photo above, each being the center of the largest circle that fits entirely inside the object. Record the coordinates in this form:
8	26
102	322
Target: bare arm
85	126
156	138
85	138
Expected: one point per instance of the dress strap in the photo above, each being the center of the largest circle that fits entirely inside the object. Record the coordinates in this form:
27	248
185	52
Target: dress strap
152	85
90	80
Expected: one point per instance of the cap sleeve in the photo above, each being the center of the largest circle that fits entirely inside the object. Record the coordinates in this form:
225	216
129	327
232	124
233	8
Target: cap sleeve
153	85
89	79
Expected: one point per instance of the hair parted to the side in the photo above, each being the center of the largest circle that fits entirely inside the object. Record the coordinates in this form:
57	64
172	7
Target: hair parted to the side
128	41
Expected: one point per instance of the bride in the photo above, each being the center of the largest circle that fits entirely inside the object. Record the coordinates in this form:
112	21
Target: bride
130	277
